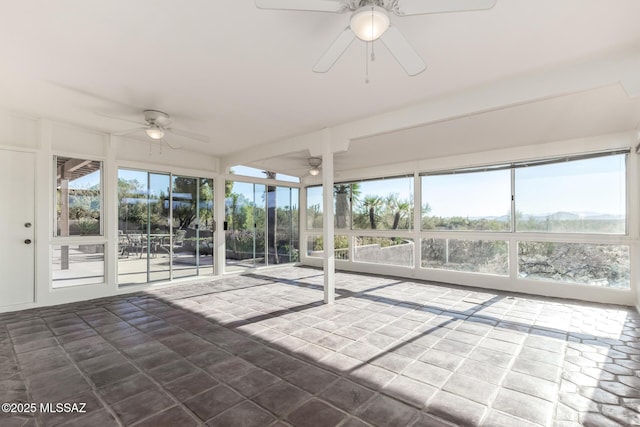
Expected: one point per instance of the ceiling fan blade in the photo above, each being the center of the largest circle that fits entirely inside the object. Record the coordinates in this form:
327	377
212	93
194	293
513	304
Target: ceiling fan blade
190	135
172	145
129	131
122	119
421	7
122	106
335	6
337	48
402	51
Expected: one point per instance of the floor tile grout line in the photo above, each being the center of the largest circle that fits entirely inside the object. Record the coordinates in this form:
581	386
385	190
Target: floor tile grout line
140	370
500	384
153	380
224	383
507	318
24	380
86	378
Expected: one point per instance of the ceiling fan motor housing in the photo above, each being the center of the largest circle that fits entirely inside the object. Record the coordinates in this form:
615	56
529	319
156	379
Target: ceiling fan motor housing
156	117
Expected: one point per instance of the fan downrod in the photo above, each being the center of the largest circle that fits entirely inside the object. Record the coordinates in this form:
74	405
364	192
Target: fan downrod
151	116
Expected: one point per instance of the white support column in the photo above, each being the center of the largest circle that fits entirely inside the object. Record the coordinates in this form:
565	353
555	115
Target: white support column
302	225
327	218
110	212
417	220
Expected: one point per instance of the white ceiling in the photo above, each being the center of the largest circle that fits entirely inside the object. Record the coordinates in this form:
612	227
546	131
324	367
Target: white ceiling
243	76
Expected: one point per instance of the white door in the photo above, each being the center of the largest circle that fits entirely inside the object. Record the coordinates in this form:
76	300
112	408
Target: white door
17	180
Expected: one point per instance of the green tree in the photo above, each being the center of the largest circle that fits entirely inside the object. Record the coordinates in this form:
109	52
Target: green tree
132	210
345	195
185	193
372	205
398	208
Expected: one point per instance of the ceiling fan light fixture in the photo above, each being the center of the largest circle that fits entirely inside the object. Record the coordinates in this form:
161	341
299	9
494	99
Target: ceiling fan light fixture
155	132
369	22
315	163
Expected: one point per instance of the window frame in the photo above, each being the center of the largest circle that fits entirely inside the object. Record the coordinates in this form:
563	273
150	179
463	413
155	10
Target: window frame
89	240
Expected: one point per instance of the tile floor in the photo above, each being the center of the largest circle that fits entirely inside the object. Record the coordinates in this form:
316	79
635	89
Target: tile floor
262	350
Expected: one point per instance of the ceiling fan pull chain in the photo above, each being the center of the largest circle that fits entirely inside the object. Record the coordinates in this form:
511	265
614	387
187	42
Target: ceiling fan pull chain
366	63
373	53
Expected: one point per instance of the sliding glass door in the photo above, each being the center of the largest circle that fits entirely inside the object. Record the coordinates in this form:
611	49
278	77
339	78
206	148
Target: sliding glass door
244	225
165	227
261	225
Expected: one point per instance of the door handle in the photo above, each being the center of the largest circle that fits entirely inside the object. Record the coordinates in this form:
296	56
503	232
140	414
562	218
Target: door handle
27	224
27	241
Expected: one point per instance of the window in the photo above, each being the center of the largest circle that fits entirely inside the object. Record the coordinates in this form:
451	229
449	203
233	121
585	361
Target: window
576	196
342	197
479	201
77	264
315	247
478	256
314	207
590	264
384	250
78	197
381	204
78	246
259	173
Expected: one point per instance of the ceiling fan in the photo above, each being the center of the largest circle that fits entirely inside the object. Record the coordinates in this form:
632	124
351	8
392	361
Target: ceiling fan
158	124
370	21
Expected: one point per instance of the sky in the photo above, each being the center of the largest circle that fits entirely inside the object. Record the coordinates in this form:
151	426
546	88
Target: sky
592	185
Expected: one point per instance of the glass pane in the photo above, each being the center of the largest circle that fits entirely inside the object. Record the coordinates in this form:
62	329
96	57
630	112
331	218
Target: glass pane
478	256
184	242
295	226
315	248
385	204
467	201
75	265
205	227
342	202
78	197
384	250
289	178
589	264
286	237
314	207
247	171
156	238
580	196
260	224
271	224
245	224
132	217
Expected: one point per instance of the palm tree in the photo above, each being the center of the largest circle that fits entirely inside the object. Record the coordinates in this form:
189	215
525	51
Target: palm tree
372	204
402	209
345	196
398	208
341	194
